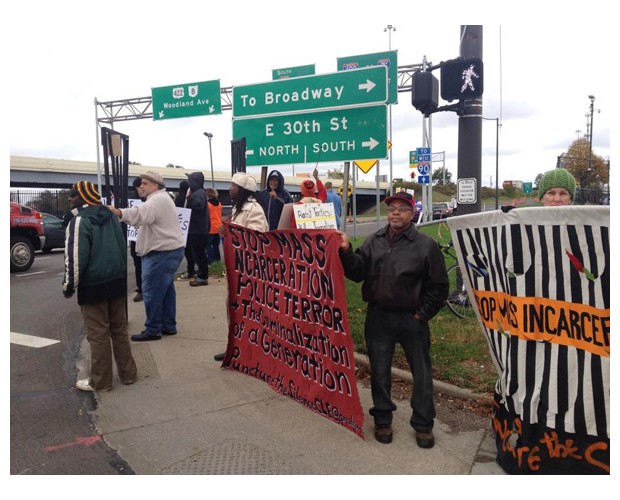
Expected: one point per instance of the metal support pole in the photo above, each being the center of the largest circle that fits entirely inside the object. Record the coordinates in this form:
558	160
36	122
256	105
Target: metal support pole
210	136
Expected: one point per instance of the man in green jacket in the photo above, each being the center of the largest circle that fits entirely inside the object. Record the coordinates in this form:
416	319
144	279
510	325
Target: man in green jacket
96	266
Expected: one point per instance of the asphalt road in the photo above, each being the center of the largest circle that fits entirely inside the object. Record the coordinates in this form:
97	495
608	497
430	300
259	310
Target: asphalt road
51	431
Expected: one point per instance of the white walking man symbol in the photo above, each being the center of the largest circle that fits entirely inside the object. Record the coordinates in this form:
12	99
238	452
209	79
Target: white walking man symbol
468	74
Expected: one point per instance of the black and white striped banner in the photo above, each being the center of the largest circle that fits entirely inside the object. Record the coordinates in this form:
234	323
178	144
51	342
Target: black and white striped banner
540	281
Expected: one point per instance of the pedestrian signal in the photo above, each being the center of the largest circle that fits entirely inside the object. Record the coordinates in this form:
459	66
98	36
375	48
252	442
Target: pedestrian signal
461	79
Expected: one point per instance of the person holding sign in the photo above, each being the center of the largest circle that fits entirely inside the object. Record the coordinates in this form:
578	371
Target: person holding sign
557	188
246	212
309	190
405	285
334	197
273	198
161	245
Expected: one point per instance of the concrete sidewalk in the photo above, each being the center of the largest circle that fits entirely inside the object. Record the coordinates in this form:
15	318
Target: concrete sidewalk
186	415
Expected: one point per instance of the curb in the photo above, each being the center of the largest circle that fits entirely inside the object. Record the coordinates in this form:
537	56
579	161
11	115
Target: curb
443	387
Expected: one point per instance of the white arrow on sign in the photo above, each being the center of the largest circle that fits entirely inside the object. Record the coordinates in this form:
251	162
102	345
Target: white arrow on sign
370	144
368	86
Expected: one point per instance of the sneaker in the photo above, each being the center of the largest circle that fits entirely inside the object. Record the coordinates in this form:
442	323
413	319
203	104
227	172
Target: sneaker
84	385
143	336
128	381
185	276
168	333
138	297
425	439
383	433
199	282
219	357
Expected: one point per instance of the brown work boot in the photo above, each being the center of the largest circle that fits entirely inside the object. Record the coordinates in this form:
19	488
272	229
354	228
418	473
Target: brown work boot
383	433
425	439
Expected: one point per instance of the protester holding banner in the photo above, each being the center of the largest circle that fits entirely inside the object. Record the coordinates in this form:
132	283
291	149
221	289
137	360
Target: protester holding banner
246	211
557	188
273	198
309	190
405	285
160	243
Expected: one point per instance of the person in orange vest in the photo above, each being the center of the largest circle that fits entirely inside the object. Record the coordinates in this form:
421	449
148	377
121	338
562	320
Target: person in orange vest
213	239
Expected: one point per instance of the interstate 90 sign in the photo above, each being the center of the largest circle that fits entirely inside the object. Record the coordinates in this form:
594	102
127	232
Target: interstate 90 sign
340	134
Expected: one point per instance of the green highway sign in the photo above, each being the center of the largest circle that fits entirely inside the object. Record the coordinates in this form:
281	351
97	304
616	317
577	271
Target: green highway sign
344	88
280	74
187	99
387	59
342	134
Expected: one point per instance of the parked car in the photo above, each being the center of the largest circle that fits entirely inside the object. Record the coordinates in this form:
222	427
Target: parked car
54	233
442	210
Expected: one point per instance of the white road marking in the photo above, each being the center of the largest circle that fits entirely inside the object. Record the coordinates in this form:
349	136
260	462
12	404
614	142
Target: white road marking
31	340
21	275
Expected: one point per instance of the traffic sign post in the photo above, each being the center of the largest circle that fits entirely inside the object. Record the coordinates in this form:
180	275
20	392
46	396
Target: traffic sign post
187	99
343	134
345	88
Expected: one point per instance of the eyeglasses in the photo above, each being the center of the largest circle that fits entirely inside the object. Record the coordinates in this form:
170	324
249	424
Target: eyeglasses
399	210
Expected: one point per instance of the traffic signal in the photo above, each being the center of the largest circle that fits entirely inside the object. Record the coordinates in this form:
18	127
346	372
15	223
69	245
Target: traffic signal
425	92
461	79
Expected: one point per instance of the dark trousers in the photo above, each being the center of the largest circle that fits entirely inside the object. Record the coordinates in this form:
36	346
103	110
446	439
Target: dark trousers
383	330
197	244
137	264
213	248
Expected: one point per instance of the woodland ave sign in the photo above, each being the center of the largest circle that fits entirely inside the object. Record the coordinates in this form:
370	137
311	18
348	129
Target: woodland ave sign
319	136
344	88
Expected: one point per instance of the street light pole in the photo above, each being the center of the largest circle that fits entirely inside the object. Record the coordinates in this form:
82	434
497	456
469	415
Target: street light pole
591	97
210	136
389	28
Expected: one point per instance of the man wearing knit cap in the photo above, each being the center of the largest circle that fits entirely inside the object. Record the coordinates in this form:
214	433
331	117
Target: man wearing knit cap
309	190
246	212
557	188
96	266
161	245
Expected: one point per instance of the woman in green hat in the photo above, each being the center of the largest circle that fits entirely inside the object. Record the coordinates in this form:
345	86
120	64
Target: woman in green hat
557	188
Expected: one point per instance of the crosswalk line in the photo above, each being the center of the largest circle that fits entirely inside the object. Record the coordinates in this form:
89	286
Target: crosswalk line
31	340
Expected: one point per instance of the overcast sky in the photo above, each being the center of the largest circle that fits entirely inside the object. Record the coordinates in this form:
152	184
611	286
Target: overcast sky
540	68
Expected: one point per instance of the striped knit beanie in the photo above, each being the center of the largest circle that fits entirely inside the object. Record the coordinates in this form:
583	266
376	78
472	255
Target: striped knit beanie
557	178
87	191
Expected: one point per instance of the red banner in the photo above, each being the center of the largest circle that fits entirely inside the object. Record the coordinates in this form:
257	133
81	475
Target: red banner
288	318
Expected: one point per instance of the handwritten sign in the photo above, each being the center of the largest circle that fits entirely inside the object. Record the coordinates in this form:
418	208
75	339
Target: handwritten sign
308	216
184	215
288	319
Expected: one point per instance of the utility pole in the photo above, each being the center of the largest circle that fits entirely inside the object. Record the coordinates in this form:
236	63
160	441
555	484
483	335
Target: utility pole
470	132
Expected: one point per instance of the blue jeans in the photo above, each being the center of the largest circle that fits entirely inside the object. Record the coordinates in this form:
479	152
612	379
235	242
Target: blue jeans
383	330
160	298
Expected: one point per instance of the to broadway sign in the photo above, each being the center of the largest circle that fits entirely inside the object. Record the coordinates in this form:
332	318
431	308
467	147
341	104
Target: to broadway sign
345	88
185	100
319	136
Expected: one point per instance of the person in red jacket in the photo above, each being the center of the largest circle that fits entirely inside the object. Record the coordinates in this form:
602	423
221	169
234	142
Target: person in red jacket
309	190
213	239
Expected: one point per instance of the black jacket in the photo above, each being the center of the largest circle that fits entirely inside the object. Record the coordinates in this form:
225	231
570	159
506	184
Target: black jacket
410	275
273	207
199	222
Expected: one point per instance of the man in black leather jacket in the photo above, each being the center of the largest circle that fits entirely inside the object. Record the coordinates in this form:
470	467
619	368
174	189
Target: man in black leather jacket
405	285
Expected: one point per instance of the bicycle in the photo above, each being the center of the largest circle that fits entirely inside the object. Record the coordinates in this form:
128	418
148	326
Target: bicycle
458	300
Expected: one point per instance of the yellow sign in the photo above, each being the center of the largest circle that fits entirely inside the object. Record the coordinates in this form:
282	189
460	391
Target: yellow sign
341	189
365	165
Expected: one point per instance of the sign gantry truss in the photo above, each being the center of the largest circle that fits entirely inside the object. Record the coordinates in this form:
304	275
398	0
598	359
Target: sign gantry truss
140	108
